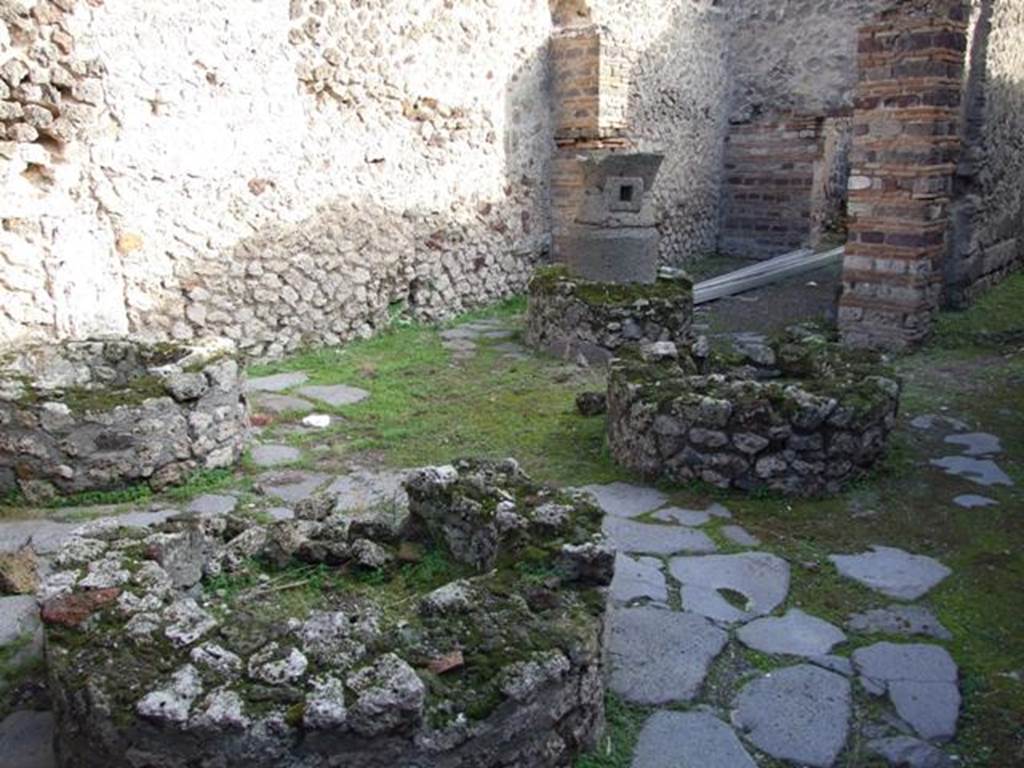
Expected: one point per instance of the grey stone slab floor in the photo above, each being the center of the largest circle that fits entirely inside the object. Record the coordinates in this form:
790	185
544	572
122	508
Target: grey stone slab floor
906	620
795	634
362	489
269	455
800	714
908	752
278	404
336	395
26	740
625	500
659	657
930	421
638	578
976	443
689	740
980	471
921	681
277	383
213	504
973	501
291	487
654	539
760	577
892	571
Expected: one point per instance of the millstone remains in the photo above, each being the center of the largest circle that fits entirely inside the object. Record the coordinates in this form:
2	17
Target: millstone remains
571	317
464	630
797	415
606	292
106	413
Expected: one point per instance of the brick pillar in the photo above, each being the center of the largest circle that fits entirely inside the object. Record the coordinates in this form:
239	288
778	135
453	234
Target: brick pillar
591	101
905	149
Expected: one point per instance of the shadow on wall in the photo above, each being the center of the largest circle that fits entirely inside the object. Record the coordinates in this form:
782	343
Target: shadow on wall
348	270
987	215
678	105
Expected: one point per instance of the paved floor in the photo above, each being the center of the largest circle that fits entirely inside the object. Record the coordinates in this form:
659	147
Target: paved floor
691	587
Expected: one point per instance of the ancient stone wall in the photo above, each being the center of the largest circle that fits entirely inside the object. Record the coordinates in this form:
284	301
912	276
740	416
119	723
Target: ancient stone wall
988	215
299	172
280	175
792	63
796	55
769	179
678	102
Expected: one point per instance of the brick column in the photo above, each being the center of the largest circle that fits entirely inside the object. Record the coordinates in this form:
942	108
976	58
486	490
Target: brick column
591	100
905	149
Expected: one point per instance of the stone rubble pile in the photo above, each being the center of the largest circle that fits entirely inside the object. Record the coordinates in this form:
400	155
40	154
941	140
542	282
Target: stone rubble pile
464	629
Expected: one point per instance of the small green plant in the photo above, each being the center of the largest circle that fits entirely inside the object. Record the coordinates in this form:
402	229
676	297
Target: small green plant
615	749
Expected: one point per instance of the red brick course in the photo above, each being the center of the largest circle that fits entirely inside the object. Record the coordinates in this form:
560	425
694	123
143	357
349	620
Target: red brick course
905	151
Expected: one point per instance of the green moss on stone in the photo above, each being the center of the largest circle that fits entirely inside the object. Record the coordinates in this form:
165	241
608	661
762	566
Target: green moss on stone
552	278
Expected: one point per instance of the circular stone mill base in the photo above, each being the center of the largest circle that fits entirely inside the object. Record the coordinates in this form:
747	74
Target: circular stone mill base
109	413
798	415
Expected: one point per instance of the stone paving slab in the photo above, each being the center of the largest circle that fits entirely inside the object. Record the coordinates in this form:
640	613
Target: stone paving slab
908	752
269	455
658	657
892	571
761	577
364	489
838	664
335	394
19	616
625	500
740	536
973	501
800	714
651	539
276	383
933	421
213	505
980	471
795	634
689	740
45	536
690	517
976	443
291	487
907	620
135	519
278	404
26	740
638	579
462	333
921	681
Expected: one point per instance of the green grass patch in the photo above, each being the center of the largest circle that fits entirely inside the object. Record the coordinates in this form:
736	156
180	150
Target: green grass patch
427	409
994	320
615	749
